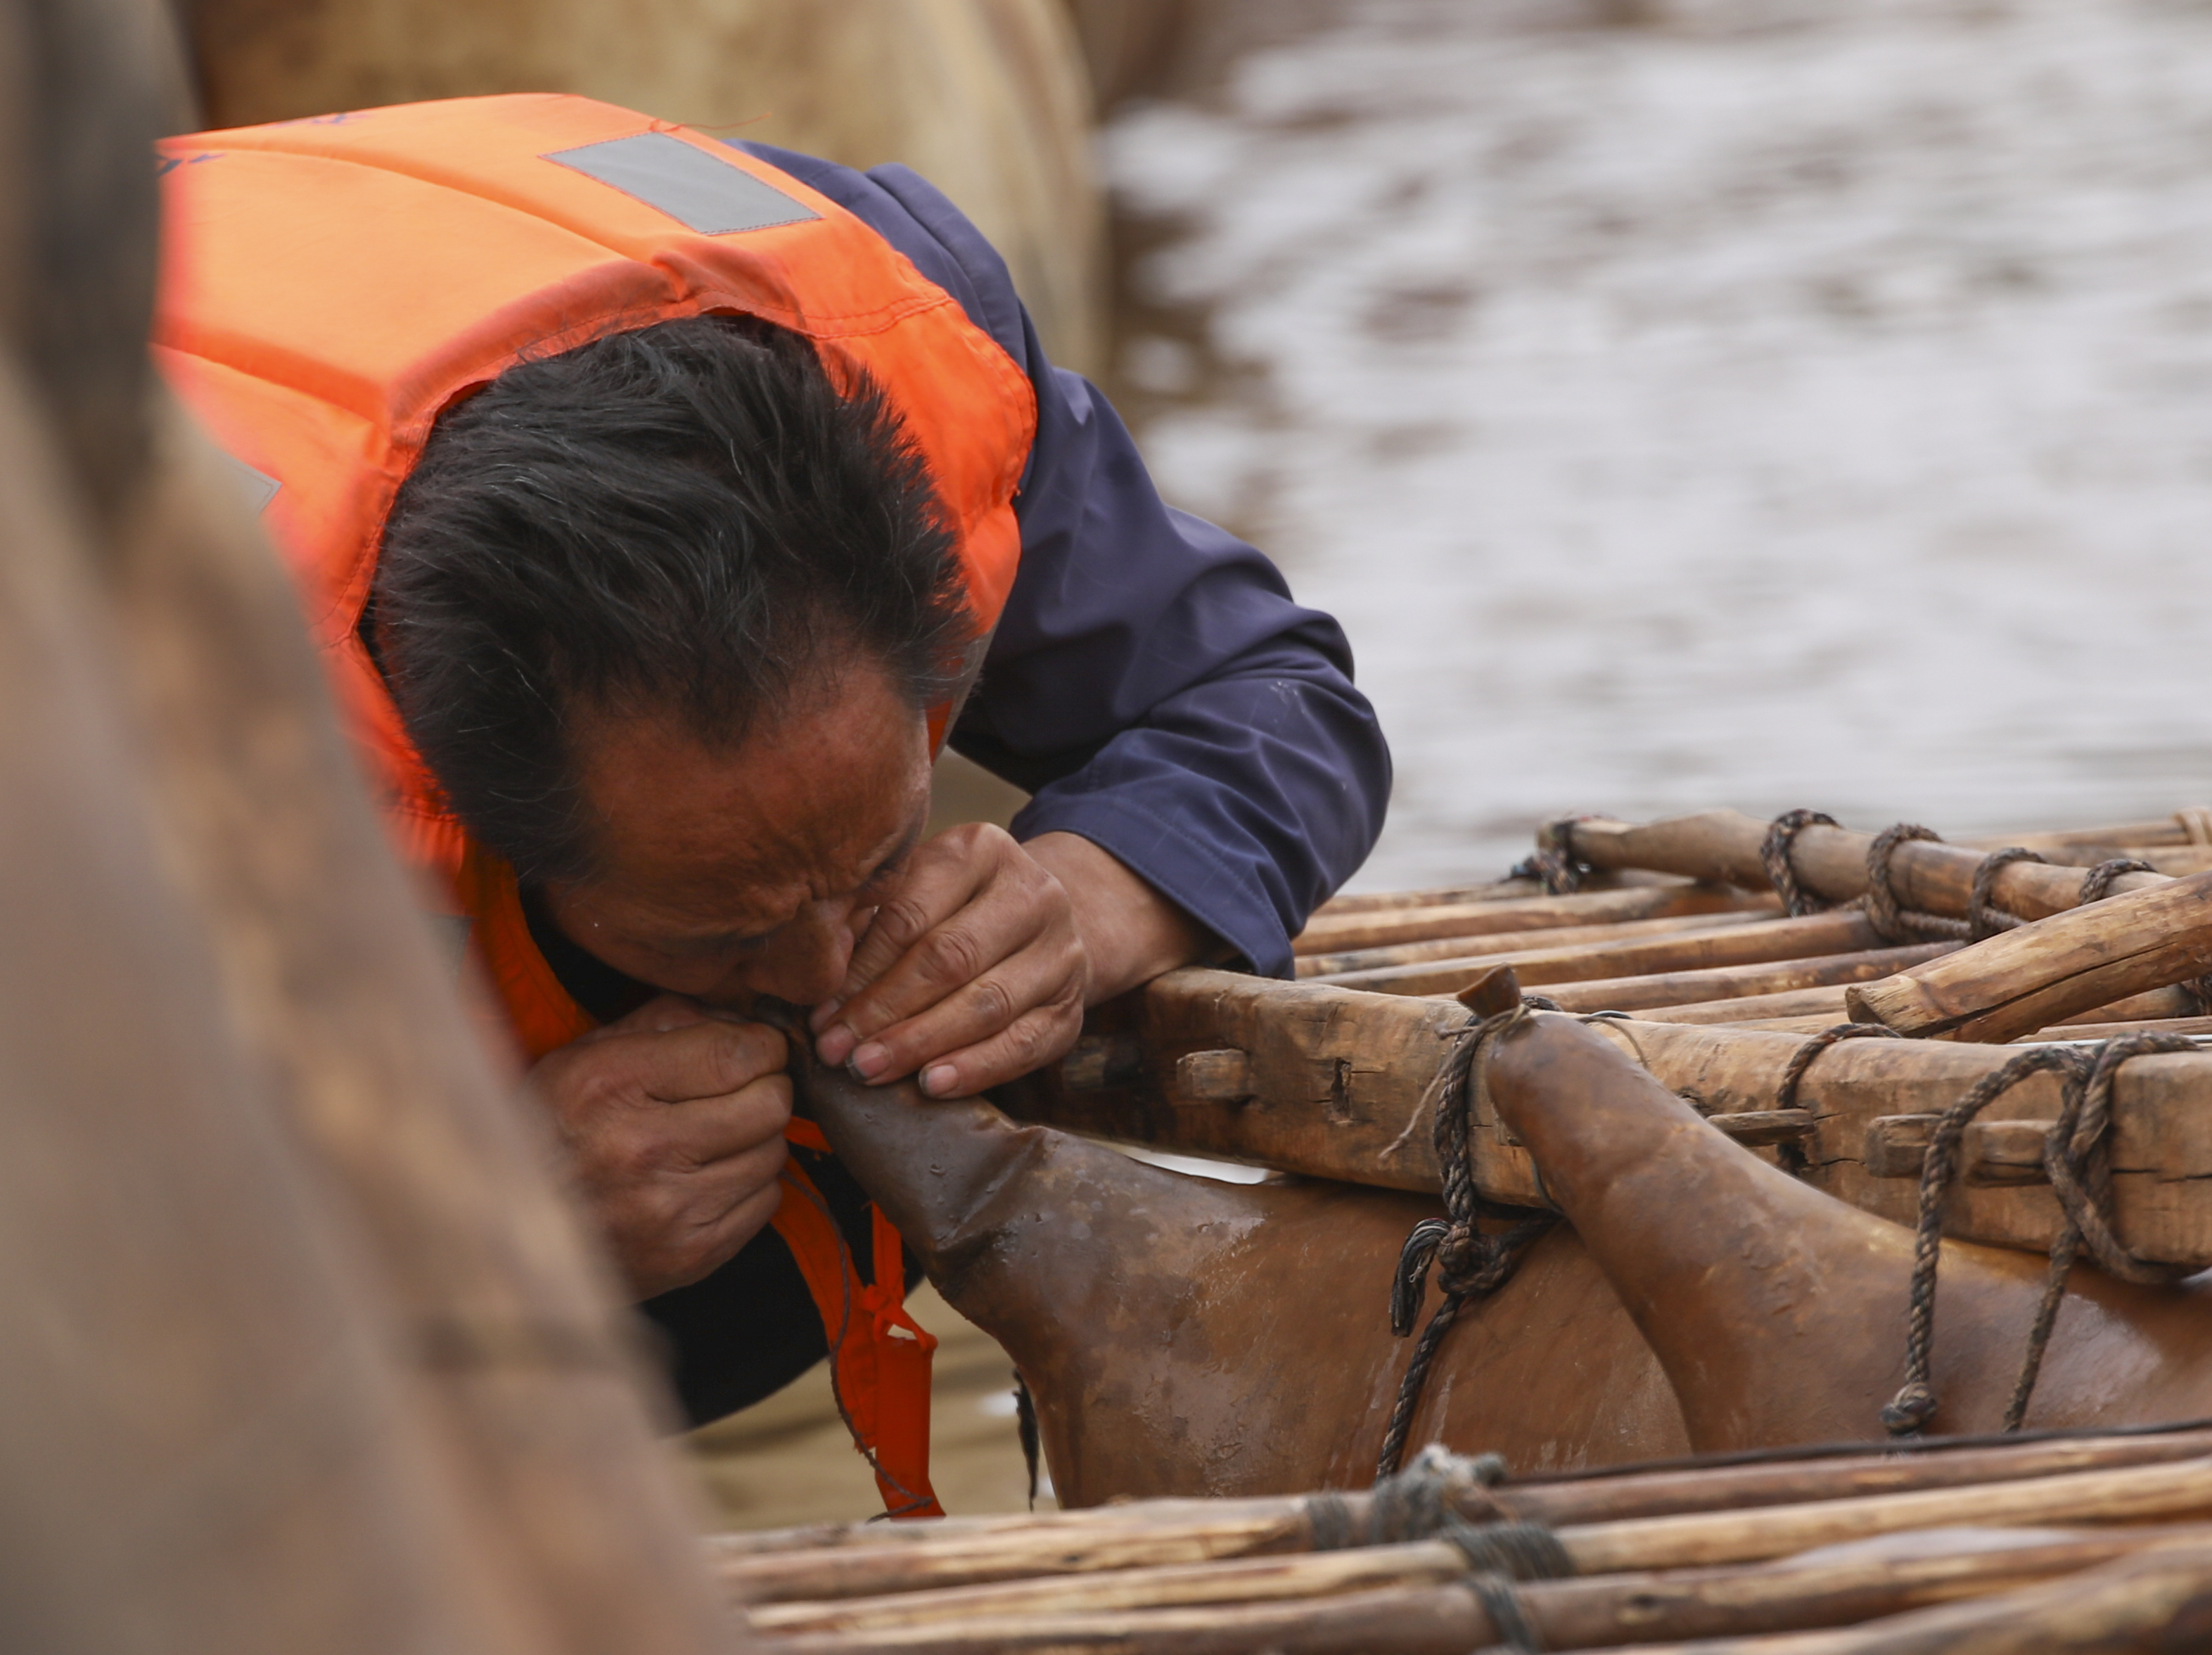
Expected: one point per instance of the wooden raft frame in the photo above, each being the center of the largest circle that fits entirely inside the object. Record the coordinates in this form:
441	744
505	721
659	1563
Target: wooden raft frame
1338	1082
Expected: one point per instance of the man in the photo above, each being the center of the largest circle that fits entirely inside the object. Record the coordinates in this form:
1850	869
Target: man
661	505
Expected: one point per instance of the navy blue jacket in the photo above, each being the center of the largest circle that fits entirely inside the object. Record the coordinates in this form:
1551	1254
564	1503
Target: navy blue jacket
1150	684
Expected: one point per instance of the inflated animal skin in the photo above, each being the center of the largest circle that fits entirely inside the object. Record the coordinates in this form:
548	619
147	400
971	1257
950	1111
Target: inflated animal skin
1181	1336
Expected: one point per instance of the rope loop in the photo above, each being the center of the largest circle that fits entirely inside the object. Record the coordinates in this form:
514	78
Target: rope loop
2077	1155
1411	1283
1554	863
1470	1264
2080	1160
1984	918
1793	1154
1510	1628
1894	922
1774	856
1915	1402
1519	1551
2097	884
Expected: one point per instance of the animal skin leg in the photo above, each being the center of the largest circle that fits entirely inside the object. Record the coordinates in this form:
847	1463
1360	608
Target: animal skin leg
1779	1312
1185	1336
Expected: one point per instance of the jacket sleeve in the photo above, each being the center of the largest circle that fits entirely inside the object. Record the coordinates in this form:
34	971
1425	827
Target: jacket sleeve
1152	683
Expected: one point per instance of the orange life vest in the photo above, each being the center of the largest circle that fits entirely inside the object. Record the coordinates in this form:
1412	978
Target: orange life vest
329	286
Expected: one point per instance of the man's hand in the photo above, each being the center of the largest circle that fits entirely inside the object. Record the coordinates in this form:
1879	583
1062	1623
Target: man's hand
673	1122
977	968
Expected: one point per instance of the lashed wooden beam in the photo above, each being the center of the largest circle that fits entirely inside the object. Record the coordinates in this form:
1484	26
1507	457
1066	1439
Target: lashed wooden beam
1830	862
1337	1086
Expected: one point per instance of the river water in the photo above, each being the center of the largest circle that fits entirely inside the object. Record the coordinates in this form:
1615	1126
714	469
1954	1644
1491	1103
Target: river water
1758	404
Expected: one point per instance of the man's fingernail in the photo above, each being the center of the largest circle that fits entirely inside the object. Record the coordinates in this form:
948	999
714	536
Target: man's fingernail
870	1060
938	1079
835	1046
823	1013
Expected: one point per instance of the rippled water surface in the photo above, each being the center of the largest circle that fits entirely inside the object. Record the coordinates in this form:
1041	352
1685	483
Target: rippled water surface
1749	404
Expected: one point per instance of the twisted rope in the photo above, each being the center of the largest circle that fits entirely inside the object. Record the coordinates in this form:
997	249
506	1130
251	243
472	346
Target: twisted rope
1793	1152
1418	1503
1774	856
2077	1155
2097	883
1984	918
1894	922
1553	861
1509	1624
1470	1264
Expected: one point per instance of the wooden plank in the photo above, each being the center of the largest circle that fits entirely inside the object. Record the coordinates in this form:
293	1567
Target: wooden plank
1340	1080
1330	933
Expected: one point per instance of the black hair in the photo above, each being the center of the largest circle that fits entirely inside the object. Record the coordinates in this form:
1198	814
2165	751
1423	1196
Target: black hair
689	520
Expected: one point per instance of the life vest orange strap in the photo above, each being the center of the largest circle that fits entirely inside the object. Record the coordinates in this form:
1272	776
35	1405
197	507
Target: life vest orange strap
879	1357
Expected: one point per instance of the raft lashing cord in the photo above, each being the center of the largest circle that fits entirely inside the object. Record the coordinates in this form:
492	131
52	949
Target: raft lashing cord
1892	920
1470	1264
2077	1156
1418	1503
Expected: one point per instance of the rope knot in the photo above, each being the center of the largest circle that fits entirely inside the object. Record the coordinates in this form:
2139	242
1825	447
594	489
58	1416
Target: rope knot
1912	1407
1463	1261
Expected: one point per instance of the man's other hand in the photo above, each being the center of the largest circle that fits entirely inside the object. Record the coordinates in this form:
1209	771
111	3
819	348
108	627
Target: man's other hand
977	969
673	1121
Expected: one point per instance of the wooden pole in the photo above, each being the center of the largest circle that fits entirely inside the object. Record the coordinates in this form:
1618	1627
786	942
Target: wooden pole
1508	889
1829	862
2145	1493
2039	974
1340	1086
1457	946
1760	942
2152	1600
1403	1621
1564	1614
1632	994
1334	934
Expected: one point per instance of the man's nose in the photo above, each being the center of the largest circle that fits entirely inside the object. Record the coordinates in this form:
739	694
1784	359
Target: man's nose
805	962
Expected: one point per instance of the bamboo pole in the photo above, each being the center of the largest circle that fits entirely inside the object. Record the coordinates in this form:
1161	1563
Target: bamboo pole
2028	978
1523	942
1759	942
1830	862
1331	933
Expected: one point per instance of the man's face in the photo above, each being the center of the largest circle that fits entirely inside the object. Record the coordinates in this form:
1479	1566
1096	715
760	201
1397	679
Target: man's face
728	874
